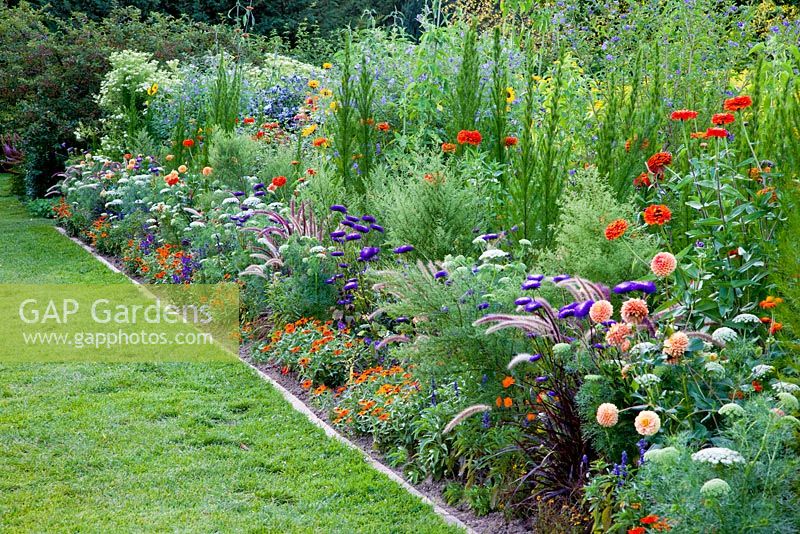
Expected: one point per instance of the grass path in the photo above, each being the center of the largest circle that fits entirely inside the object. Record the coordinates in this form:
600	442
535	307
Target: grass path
167	447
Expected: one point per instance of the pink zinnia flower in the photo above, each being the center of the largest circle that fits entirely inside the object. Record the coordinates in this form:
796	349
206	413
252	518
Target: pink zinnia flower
634	311
663	264
607	415
601	311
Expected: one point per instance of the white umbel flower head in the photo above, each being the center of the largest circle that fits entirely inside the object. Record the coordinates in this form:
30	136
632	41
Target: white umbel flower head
724	335
731	409
785	387
662	456
788	401
746	318
647	380
761	370
718	455
716	488
492	254
715	368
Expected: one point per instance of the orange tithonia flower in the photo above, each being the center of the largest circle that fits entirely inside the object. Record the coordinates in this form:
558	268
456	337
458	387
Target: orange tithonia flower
601	311
657	214
616	229
634	311
663	264
775	328
607	415
770	302
508	382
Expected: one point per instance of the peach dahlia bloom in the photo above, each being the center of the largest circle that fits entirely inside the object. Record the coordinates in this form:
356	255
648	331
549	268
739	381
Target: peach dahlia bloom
675	346
601	311
618	334
634	311
607	415
647	423
663	264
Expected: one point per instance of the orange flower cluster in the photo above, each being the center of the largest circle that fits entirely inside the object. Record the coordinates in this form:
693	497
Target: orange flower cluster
770	302
657	214
658	161
616	229
737	103
62	209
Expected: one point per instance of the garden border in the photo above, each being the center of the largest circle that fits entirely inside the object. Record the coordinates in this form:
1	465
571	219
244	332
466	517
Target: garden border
299	406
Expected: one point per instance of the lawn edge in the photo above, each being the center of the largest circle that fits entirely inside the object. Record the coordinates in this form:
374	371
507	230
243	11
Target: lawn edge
301	407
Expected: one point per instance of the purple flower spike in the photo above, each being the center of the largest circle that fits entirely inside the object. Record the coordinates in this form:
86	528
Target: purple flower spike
483	305
536	277
238	193
530	284
348	224
489	237
627	287
352	218
402	249
440	274
329	281
368	218
361	228
349	286
561	278
352	237
377	227
541	379
337	253
339	208
338	233
535	357
522	301
258	186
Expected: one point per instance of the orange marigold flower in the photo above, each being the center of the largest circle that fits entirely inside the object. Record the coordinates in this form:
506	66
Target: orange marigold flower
769	302
658	161
320	142
279	181
683	115
305	384
737	103
507	402
657	214
616	229
720	119
302	362
508	382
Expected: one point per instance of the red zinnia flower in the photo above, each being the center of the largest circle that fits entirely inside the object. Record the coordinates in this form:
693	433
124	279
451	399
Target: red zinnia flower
320	141
658	161
383	126
510	141
469	137
188	143
637	530
616	229
721	119
649	519
249	120
171	179
279	181
683	115
738	102
657	214
448	148
717	132
643	180
757	387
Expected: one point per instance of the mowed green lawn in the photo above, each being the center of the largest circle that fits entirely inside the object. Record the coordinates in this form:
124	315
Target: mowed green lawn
167	447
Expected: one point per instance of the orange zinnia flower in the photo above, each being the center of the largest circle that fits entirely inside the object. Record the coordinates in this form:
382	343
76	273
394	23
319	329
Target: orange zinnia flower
657	214
649	519
616	229
719	133
449	148
721	119
508	381
643	180
658	161
683	115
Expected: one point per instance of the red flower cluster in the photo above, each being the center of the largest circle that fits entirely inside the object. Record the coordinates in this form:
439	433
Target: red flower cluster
616	229
469	137
510	141
720	133
188	143
279	181
683	115
721	119
657	214
658	161
643	180
737	103
449	148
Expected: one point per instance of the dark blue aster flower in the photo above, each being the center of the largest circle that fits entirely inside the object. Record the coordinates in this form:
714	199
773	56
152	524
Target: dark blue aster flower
377	227
339	208
403	249
352	237
440	274
522	301
530	284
